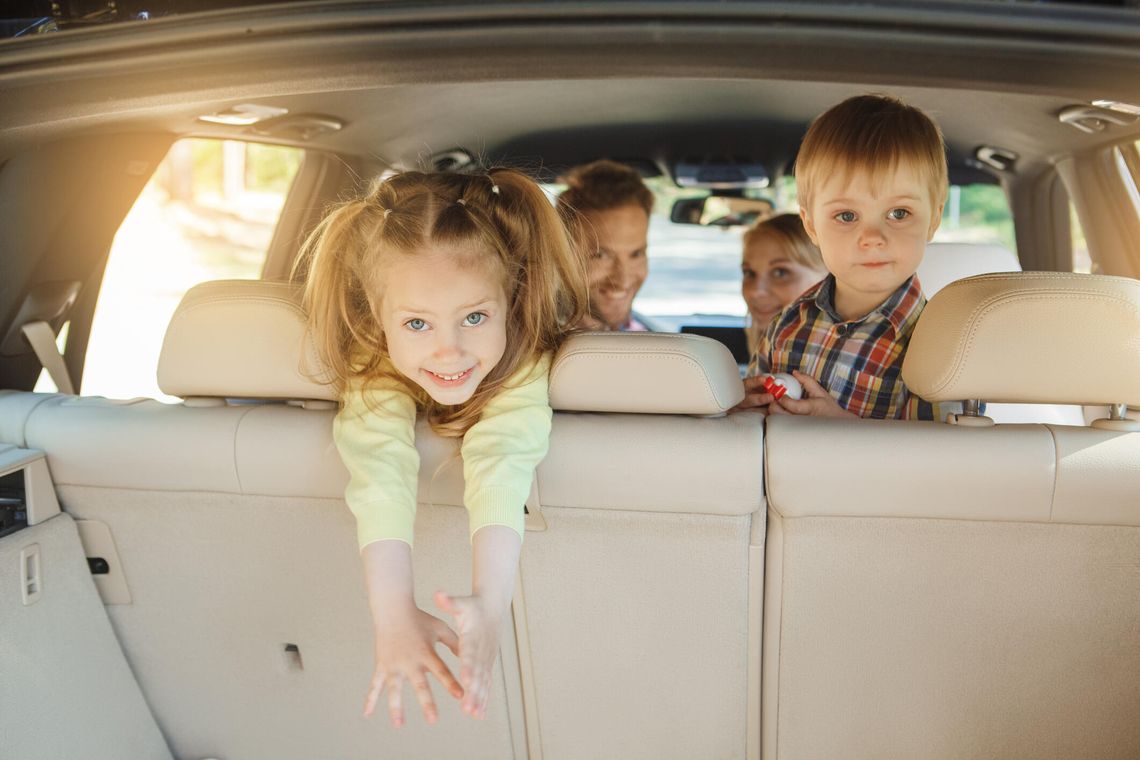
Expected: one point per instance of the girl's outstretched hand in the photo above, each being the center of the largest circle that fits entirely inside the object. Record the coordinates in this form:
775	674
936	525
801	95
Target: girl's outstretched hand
479	629
405	651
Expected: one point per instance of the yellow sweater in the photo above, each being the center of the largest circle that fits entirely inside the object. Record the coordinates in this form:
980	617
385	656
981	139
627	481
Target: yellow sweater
375	435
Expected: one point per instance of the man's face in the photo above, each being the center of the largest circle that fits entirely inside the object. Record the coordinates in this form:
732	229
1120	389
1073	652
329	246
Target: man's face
872	235
618	266
445	324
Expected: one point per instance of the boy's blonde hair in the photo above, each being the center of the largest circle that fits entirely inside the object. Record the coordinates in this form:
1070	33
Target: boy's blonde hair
872	134
500	220
788	230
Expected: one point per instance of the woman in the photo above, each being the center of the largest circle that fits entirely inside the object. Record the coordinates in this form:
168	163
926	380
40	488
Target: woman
779	263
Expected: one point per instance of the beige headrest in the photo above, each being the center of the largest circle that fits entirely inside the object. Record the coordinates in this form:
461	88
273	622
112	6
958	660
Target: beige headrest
240	339
655	373
1033	337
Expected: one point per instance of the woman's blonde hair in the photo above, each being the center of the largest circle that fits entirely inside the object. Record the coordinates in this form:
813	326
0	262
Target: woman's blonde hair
789	230
500	219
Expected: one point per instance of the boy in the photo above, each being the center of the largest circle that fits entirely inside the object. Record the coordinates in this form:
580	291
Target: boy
871	177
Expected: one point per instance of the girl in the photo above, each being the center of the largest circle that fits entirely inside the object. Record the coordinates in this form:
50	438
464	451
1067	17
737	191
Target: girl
447	294
779	263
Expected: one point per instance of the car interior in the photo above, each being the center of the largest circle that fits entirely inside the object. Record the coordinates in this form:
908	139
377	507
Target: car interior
180	576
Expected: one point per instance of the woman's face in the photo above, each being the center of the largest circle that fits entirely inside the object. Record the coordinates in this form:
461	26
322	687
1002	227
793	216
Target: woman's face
618	265
771	278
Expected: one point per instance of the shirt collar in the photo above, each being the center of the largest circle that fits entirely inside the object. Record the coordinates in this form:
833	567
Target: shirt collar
901	307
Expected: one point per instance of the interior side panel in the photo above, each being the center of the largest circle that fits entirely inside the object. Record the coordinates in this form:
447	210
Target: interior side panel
65	690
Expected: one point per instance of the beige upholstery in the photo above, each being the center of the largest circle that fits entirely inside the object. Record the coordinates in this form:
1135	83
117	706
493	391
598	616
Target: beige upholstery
660	373
66	690
943	263
248	339
999	337
960	592
240	339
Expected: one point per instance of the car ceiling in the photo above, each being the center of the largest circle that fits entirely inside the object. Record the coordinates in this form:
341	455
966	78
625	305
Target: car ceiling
534	89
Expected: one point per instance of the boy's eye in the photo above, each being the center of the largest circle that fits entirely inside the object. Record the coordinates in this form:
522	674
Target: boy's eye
898	214
474	318
416	325
845	216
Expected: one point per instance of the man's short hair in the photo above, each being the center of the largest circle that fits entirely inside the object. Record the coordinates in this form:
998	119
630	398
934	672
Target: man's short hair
604	185
872	134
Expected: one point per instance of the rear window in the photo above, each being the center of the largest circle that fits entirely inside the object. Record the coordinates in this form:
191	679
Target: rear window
694	271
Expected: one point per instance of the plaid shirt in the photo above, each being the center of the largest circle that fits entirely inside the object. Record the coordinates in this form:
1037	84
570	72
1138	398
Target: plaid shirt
859	361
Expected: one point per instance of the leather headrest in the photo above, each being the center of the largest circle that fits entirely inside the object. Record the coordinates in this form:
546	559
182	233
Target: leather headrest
1032	337
241	339
249	339
655	373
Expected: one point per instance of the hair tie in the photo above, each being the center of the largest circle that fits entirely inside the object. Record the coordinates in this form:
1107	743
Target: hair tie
461	202
386	212
494	188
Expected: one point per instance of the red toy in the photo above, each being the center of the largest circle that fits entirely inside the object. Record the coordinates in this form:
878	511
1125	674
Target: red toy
782	384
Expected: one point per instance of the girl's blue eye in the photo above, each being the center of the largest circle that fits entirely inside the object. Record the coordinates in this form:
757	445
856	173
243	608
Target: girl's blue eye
474	318
898	214
416	325
846	216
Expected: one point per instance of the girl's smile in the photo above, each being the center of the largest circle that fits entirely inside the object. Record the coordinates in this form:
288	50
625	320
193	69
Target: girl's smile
444	322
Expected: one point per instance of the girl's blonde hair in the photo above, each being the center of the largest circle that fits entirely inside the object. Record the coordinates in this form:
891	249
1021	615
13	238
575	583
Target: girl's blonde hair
500	219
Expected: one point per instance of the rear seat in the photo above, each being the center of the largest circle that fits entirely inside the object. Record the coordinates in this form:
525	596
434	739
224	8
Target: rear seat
953	591
236	545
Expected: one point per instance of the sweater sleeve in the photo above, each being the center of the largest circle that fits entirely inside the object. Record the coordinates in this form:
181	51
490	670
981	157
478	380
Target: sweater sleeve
375	435
502	449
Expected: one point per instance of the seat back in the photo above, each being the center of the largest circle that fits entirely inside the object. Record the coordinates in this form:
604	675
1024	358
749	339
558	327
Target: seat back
963	590
248	610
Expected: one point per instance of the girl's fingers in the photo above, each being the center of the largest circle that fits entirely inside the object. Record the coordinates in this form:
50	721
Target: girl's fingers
423	693
396	700
444	635
441	671
446	603
374	690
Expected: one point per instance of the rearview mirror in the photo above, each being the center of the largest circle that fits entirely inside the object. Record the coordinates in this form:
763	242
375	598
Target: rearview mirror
721	211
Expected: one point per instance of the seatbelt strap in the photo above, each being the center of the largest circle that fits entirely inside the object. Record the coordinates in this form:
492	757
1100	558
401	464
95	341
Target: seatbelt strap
40	335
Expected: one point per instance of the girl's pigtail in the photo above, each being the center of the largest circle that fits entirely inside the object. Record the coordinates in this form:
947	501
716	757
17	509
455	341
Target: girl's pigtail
551	298
345	332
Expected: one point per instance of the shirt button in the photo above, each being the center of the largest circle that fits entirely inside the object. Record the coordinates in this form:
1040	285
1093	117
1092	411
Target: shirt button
841	330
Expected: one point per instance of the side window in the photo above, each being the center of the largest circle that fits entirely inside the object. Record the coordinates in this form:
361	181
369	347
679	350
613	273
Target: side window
207	213
977	214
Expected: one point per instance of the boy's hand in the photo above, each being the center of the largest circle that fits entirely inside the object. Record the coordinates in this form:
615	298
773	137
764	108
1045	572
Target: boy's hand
405	651
478	626
754	394
817	402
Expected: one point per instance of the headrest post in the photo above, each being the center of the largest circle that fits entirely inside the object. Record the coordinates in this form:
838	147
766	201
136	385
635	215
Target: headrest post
972	407
1118	412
